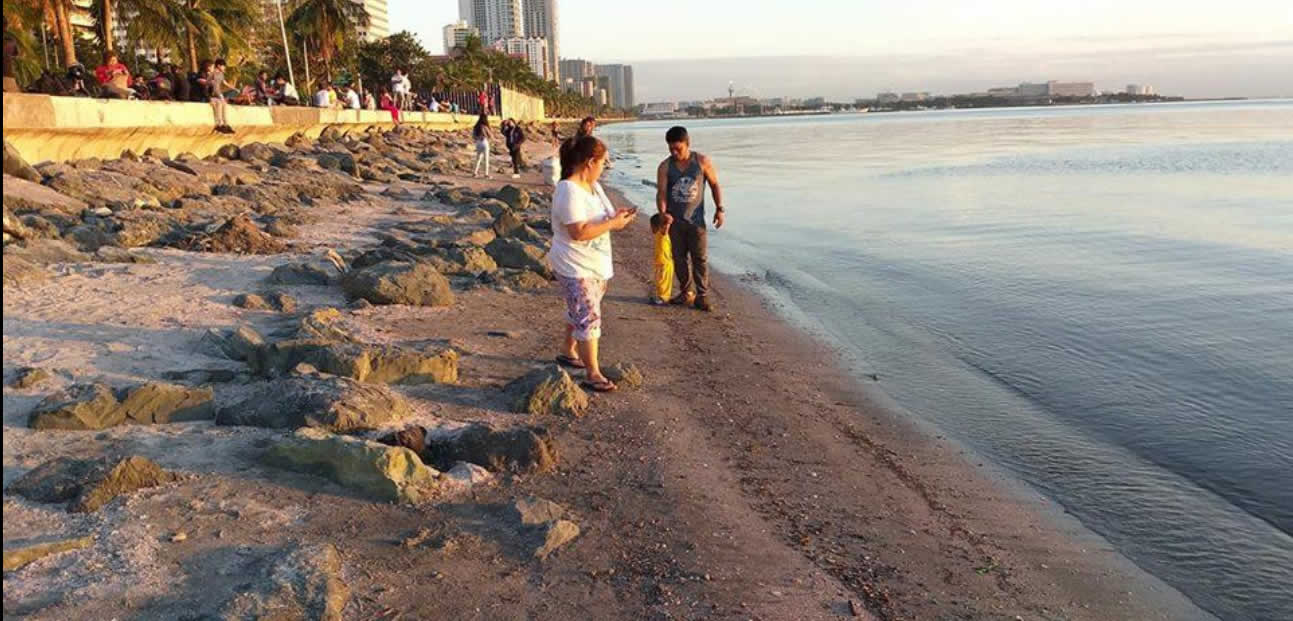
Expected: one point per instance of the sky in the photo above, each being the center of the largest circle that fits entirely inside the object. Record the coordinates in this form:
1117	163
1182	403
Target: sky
846	49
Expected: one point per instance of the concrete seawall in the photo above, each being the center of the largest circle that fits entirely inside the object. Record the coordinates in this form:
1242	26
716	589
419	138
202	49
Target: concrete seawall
44	128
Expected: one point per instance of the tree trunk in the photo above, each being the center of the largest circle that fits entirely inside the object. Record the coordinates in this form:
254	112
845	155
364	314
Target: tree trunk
65	33
193	48
108	28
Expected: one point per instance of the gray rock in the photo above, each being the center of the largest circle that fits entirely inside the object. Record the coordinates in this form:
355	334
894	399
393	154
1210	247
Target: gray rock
624	374
244	343
158	403
250	301
18	167
522	450
28	377
507	224
517	254
470	260
493	207
117	254
416	284
88	484
255	152
547	391
39	227
282	302
525	280
391	473
295	583
515	197
377	364
337	404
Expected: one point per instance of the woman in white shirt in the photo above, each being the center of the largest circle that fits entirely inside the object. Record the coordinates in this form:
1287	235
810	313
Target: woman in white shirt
582	221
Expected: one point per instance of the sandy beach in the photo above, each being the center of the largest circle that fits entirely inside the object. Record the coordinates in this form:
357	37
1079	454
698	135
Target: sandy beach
749	477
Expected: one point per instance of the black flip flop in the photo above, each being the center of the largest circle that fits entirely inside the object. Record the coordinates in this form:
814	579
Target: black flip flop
567	361
606	386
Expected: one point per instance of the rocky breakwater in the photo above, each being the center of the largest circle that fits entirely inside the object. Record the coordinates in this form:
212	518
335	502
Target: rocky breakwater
298	396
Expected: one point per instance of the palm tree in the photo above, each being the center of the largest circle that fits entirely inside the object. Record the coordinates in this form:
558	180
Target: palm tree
198	27
330	25
102	12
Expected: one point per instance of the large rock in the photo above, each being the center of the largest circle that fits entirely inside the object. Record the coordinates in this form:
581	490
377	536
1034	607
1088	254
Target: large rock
469	260
255	152
293	584
89	483
29	377
374	364
237	235
46	251
515	197
624	374
82	406
507	224
324	269
18	167
335	403
157	403
518	254
542	523
95	406
391	473
19	555
522	450
549	391
416	284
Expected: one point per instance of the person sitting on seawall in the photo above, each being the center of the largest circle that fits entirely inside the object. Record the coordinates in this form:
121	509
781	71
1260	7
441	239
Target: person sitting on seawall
582	221
370	102
140	88
287	95
113	78
388	104
264	89
321	99
352	98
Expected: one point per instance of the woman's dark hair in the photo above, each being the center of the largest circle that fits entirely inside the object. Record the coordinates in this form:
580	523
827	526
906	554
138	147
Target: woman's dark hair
482	125
578	152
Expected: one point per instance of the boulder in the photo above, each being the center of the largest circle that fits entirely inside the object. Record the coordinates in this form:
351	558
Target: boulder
493	207
282	302
157	403
338	404
554	535
374	364
28	377
157	153
250	301
541	523
294	583
18	167
255	152
321	324
416	284
237	235
81	406
95	406
517	254
89	483
624	374
228	152
323	269
39	227
19	555
391	473
117	254
413	438
15	228
46	251
525	280
522	450
244	343
547	391
470	260
515	197
507	224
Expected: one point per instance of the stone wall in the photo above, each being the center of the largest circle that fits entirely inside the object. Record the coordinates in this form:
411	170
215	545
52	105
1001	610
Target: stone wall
46	128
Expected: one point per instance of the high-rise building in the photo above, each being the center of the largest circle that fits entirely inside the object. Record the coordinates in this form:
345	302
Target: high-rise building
495	19
379	24
456	35
619	86
575	69
532	49
541	22
1140	89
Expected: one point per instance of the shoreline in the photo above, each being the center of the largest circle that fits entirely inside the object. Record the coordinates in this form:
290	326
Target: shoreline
746	479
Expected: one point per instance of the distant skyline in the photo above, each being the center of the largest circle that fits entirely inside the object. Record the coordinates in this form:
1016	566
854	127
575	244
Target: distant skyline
845	49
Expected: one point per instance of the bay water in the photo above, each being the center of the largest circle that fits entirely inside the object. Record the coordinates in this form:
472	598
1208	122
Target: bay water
1098	300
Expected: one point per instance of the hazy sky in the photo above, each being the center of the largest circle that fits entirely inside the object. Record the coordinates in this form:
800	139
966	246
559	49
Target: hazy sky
848	48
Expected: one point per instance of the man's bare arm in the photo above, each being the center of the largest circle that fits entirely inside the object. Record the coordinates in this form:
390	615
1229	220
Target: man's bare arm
711	176
661	183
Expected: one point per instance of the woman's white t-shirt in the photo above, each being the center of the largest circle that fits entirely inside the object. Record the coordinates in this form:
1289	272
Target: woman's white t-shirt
571	203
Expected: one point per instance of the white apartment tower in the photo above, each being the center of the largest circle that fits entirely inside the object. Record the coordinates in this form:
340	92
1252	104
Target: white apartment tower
534	50
456	35
379	25
541	22
495	19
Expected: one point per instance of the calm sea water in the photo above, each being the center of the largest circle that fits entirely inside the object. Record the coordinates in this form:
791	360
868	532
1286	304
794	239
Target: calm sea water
1097	299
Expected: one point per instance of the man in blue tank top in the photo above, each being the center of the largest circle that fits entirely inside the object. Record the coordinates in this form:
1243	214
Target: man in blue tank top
680	197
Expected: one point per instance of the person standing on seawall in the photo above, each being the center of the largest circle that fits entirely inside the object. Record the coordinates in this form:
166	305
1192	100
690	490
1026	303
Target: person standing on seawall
680	197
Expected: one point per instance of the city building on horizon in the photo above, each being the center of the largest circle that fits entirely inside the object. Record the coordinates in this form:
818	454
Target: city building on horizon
1140	89
456	35
541	22
533	49
619	84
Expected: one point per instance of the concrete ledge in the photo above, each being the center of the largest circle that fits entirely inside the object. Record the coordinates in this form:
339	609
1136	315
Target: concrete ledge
45	128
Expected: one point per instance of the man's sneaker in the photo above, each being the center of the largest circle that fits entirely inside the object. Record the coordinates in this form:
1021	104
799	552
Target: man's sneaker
702	304
683	299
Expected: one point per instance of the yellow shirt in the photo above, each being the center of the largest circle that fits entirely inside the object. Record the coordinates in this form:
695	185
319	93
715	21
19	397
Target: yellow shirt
663	266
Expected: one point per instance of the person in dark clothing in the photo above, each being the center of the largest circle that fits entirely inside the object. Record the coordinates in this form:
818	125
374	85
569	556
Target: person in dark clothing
586	127
180	86
515	139
680	198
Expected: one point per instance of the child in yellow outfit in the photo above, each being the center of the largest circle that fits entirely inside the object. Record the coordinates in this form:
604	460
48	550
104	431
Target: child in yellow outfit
663	281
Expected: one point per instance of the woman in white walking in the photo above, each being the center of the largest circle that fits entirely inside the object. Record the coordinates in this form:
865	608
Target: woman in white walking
480	134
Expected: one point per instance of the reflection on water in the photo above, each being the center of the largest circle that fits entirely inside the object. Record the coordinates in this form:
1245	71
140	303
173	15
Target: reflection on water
1099	299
